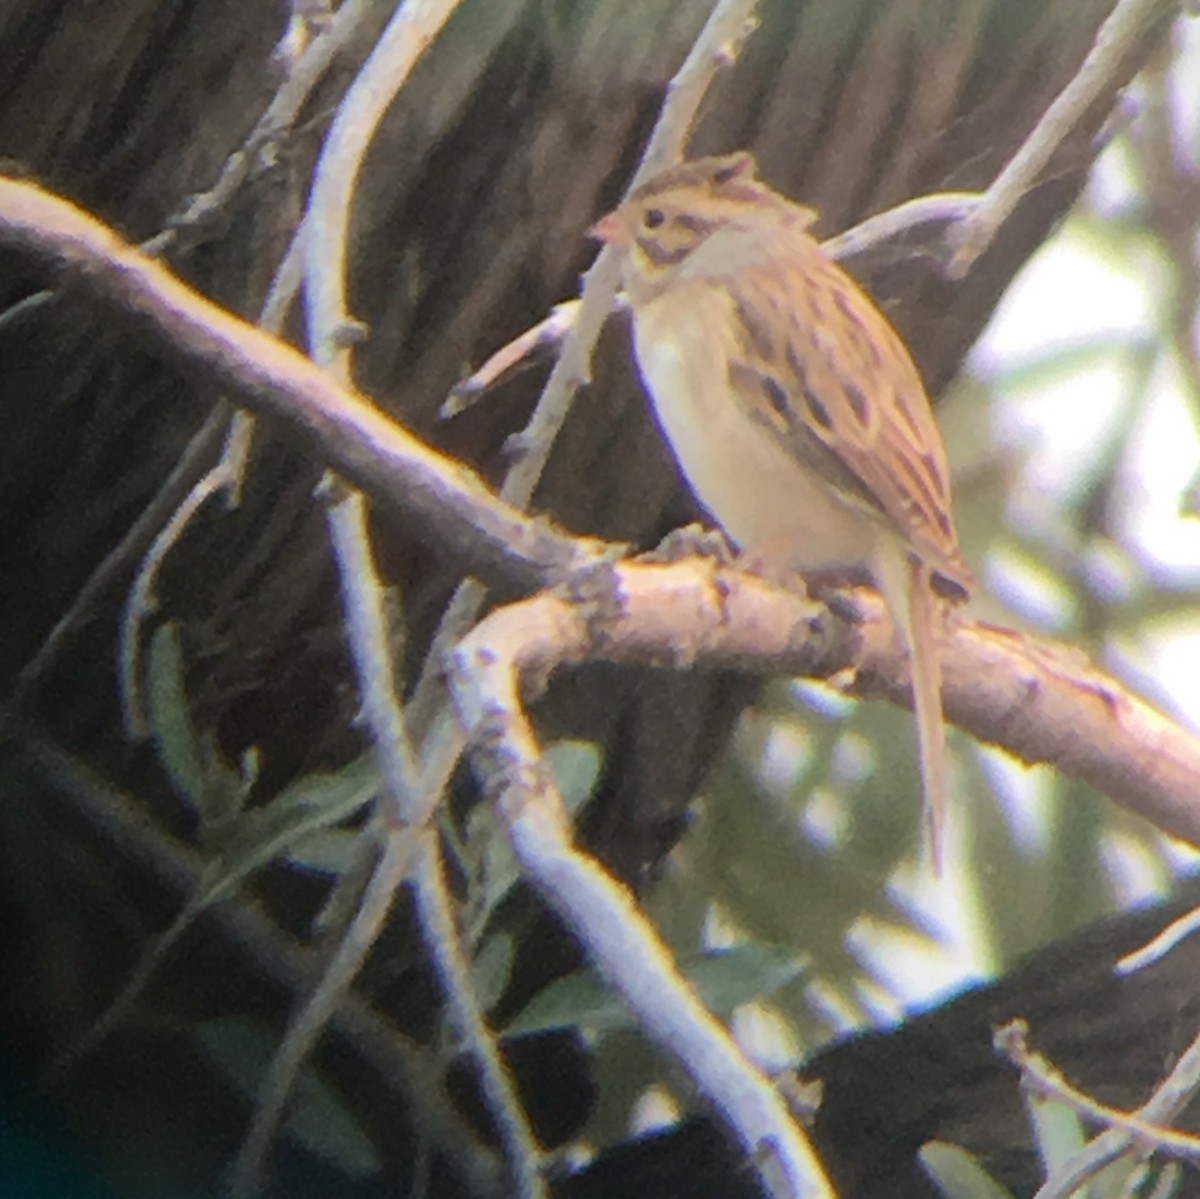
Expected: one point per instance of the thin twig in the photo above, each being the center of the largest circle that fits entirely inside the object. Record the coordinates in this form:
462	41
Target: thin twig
142	602
1161	944
548	334
442	938
408	34
1172	1095
714	49
1128	21
946	208
302	77
372	653
314	1015
1047	1081
226	477
324	239
407	1066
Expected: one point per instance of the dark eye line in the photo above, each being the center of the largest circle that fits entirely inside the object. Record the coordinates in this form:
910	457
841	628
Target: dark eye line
659	255
692	224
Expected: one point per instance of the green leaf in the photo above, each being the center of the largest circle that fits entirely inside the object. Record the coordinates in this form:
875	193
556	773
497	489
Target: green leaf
958	1175
493	869
214	790
731	977
491	969
311	804
306	808
723	981
171	722
241	1048
487	855
576	767
328	851
1057	1130
578	1000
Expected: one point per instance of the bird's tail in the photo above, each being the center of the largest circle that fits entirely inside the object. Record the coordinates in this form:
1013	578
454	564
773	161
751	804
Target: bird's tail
906	586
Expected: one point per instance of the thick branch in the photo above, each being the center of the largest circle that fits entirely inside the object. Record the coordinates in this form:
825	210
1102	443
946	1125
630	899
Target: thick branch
1045	703
448	502
1038	701
488	669
1007	689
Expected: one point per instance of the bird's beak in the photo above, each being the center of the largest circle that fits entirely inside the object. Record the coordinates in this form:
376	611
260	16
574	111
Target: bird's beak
610	230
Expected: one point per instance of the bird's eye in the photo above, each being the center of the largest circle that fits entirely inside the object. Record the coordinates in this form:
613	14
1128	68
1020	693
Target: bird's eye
653	218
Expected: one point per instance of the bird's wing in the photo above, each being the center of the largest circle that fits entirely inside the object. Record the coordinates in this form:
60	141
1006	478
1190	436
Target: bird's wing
821	367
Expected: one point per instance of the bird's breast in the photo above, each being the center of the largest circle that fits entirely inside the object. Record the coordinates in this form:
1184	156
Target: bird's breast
767	499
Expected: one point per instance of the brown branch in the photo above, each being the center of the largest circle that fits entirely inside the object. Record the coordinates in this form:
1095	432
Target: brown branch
447	502
1028	696
1038	701
487	672
1044	704
1008	690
